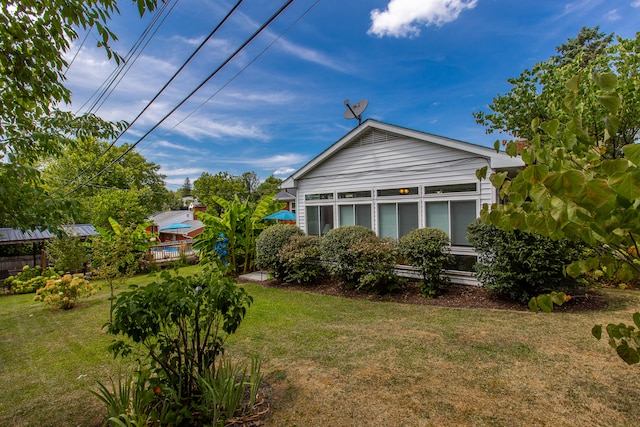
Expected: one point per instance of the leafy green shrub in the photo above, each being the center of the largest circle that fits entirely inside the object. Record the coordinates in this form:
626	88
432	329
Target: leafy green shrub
359	258
64	292
30	279
519	265
374	262
68	253
337	255
300	260
269	243
428	250
182	323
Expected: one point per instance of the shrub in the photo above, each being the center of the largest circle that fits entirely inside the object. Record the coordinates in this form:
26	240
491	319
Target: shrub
359	258
374	263
337	255
68	253
519	265
428	250
64	292
300	260
269	243
30	279
182	324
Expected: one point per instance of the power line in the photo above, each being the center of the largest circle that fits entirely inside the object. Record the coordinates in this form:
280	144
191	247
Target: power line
242	70
235	53
108	82
184	64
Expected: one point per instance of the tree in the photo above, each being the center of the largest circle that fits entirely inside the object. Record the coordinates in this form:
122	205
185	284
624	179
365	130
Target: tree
239	223
118	252
250	182
572	186
33	41
185	190
587	46
129	191
269	187
578	183
222	184
536	93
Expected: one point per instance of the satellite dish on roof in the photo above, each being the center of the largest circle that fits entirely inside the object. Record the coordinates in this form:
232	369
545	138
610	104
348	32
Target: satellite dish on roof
355	111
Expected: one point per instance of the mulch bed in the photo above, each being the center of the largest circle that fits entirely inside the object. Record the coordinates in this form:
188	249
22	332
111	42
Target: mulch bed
458	296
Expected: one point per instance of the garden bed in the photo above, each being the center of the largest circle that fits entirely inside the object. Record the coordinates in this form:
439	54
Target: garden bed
458	296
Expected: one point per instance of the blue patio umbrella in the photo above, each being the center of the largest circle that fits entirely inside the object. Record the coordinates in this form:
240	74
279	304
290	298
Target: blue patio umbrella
175	226
282	216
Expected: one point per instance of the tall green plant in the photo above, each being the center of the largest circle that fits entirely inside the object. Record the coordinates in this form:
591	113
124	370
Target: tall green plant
117	254
182	323
428	250
240	223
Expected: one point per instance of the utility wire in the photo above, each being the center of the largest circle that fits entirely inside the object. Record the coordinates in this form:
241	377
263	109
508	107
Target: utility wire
108	82
77	52
242	70
129	65
184	64
184	100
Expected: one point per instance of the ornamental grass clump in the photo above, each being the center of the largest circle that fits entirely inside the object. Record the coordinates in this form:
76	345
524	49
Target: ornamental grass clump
64	293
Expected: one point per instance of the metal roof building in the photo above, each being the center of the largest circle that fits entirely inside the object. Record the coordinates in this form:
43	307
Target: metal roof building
10	236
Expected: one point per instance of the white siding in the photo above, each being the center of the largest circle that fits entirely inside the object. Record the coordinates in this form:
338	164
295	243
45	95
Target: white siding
390	162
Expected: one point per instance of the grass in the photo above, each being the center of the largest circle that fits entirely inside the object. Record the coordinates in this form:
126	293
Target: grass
339	362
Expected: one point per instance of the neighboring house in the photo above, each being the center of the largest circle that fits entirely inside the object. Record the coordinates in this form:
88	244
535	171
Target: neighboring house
287	196
176	225
393	179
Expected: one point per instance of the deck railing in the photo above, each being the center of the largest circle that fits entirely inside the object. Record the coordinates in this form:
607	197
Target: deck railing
171	251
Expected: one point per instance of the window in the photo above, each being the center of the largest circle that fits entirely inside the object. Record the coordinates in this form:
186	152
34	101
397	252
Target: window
409	191
320	196
453	217
397	219
452	188
355	215
292	206
319	220
355	195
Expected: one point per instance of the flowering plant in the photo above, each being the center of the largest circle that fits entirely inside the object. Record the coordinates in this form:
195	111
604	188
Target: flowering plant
64	292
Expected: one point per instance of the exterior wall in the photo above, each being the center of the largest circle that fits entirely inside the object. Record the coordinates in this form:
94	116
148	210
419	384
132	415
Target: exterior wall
379	162
394	164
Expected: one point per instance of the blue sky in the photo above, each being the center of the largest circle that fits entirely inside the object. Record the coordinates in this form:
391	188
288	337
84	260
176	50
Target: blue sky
422	64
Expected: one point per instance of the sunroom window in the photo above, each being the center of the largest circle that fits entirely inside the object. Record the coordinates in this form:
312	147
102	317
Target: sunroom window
355	215
319	220
453	217
397	219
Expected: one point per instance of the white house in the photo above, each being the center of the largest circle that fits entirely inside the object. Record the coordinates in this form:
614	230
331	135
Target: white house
393	179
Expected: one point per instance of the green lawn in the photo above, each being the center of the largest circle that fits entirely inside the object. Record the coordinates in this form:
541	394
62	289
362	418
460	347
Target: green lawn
339	362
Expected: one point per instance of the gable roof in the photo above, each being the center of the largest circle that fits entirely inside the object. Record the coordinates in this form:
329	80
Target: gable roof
374	131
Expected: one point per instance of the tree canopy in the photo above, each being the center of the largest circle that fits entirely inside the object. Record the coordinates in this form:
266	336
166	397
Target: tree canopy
538	93
129	191
33	126
582	174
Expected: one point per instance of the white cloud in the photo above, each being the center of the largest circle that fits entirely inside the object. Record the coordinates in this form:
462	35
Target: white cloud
636	3
403	18
612	15
284	171
199	127
311	55
180	171
167	144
